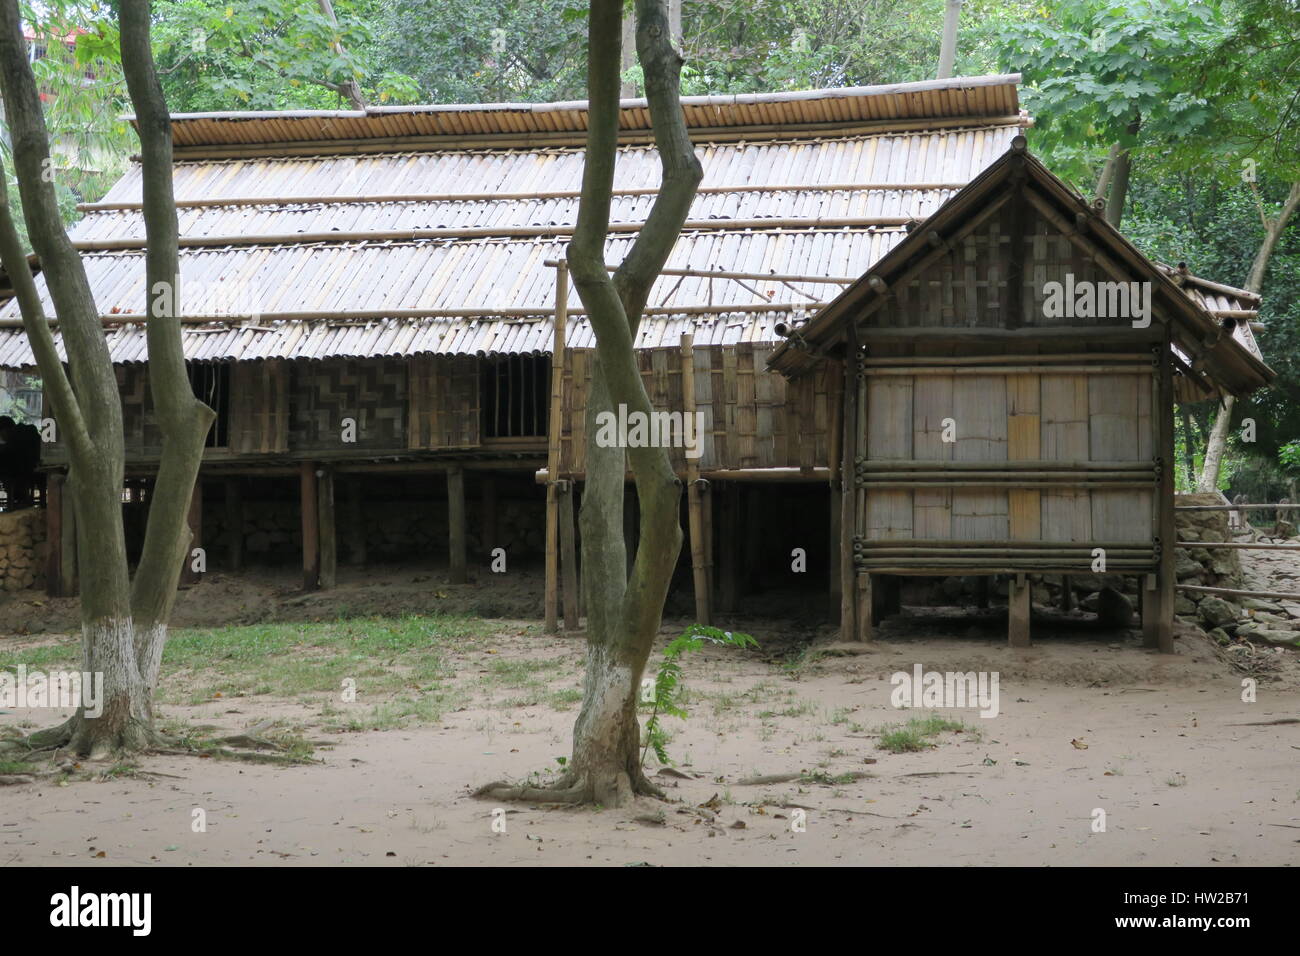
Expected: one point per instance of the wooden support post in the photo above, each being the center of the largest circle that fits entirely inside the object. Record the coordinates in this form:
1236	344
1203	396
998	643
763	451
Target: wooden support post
488	493
456	524
1067	593
69	575
862	611
694	504
356	523
188	575
1018	611
554	425
1165	578
836	553
1149	607
851	628
54	492
234	524
568	555
706	506
310	527
728	551
329	551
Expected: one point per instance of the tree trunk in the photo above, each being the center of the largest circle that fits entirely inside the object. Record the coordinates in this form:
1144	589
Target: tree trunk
623	612
122	628
1273	229
1121	169
948	46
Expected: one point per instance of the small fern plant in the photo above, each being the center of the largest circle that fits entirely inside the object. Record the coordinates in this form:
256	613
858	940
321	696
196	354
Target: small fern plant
668	681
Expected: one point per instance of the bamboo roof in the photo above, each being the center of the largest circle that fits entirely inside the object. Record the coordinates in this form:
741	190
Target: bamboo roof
1210	334
300	245
959	99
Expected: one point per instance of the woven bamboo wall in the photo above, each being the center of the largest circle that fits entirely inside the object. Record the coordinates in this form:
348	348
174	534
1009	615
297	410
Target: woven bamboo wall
323	394
968	287
752	418
444	402
259	407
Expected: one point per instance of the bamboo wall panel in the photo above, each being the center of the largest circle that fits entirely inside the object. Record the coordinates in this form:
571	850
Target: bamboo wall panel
259	407
980	417
889	437
1024	443
1059	422
750	417
444	402
1066	511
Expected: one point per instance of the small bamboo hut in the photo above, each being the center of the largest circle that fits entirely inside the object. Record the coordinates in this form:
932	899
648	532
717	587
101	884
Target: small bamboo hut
1009	372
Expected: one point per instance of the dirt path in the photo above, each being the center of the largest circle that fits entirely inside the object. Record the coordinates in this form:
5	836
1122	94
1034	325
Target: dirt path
1165	746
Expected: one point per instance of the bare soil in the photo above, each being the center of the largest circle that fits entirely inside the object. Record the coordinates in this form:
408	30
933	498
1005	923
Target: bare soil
1184	770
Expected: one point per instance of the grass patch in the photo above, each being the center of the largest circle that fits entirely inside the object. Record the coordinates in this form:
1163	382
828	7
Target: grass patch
916	734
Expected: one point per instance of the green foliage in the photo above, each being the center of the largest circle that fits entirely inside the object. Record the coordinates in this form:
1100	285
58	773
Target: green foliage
668	680
269	54
1094	68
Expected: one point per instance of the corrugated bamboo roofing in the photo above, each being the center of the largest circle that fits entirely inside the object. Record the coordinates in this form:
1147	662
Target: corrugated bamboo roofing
413	248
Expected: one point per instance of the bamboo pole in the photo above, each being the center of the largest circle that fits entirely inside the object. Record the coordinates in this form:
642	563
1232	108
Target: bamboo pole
575	139
1235	592
552	624
482	232
568	554
1015	369
778	475
915	361
1254	507
940	485
361	316
1242	545
694	507
386	198
731	274
54	492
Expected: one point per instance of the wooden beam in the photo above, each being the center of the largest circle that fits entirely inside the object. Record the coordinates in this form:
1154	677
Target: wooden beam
310	526
456	526
329	552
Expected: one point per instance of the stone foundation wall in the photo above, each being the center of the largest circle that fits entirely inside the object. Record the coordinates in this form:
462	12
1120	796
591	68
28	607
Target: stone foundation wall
22	549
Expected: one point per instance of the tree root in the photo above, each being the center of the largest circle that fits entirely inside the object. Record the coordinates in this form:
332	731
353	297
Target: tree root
574	789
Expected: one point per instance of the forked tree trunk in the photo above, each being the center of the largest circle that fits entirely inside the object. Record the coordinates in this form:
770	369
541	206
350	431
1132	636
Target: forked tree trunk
623	612
1217	443
122	627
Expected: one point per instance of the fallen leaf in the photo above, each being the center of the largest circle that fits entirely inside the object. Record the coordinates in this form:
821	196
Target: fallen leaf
1078	745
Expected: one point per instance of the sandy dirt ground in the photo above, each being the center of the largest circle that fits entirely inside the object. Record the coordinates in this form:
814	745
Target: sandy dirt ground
1184	770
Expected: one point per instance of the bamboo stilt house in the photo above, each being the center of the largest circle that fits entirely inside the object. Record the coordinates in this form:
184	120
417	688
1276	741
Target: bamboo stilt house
370	301
1009	372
